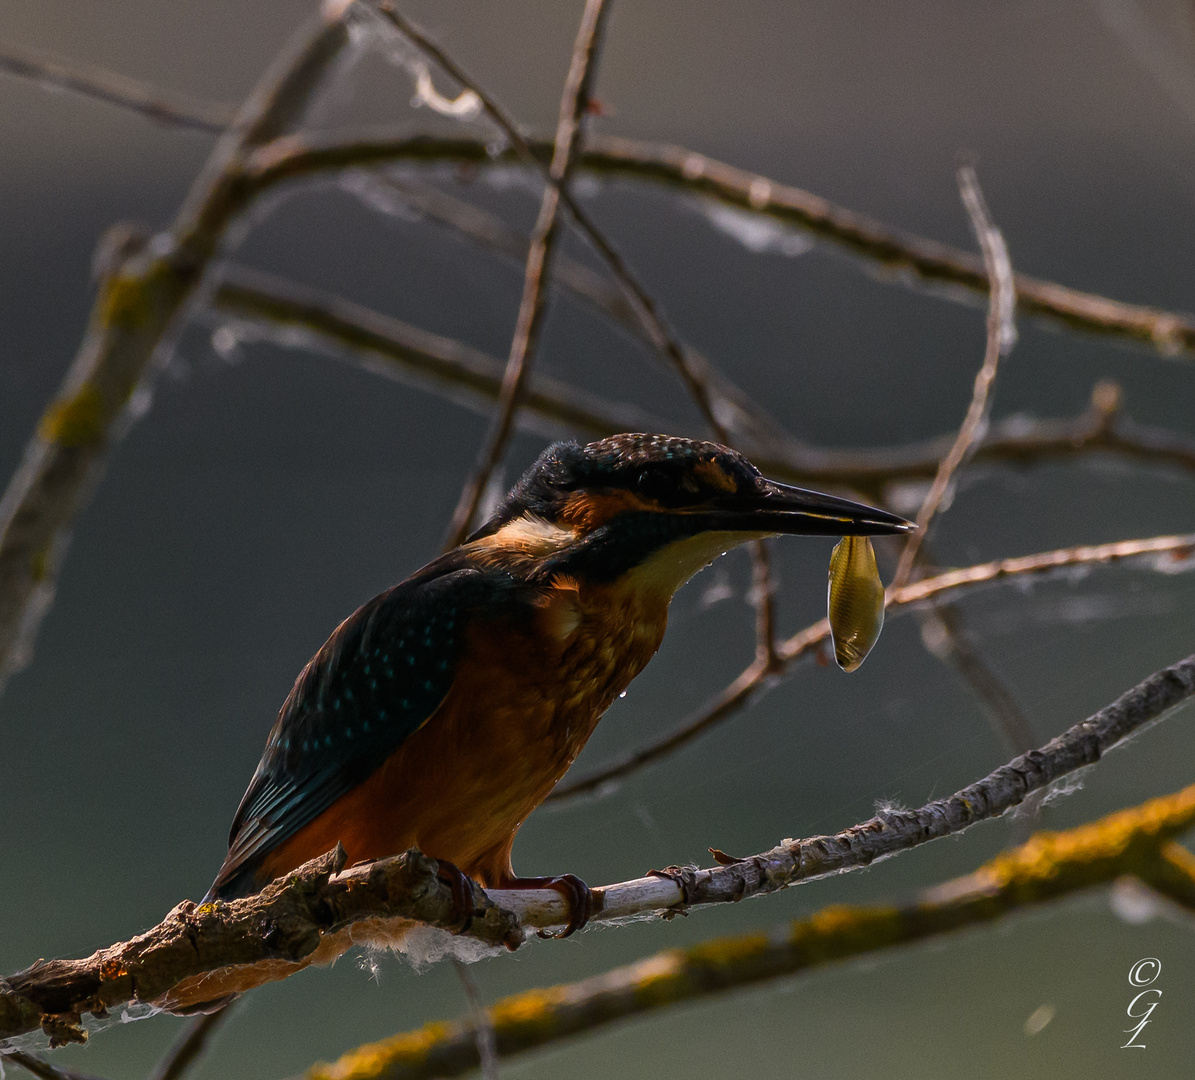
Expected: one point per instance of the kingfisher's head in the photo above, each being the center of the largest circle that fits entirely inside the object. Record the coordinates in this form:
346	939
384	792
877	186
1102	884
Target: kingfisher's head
656	506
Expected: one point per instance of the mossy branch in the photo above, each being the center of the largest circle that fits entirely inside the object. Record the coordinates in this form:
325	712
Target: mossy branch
198	955
1049	866
139	303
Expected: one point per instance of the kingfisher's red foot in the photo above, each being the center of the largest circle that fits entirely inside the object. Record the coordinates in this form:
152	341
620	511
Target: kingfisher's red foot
582	902
462	892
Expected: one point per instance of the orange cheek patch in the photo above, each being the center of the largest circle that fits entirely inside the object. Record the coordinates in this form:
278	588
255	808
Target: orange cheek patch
712	474
588	510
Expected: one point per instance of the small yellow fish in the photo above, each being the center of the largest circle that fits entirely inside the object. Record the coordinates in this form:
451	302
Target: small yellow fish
856	601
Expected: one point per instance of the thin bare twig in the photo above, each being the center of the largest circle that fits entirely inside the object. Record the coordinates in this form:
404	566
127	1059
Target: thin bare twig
483	1030
1020	440
263	305
665	341
752	428
490	232
941	624
755	677
161	106
573	105
1048	867
138	306
41	1068
946	639
904	257
201	952
1166	553
471	378
944	634
694	375
1001	334
191	1045
763	597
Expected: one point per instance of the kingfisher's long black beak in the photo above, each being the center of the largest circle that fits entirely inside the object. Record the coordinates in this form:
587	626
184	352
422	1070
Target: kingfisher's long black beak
784	509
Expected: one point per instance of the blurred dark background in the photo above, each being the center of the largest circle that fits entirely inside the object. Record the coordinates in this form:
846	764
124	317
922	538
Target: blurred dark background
269	491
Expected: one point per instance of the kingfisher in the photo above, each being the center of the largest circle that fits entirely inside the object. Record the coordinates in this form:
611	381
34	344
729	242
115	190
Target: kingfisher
443	711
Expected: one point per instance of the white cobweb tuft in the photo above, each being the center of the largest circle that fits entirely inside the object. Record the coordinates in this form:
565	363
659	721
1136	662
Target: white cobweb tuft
759	235
369	30
423	946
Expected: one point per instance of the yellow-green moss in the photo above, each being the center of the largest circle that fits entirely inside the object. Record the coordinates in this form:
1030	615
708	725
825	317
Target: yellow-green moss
126	303
534	1010
1047	854
843	930
373	1059
39	564
726	952
659	978
78	420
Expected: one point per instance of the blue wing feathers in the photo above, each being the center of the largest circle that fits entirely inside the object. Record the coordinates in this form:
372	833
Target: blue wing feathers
377	680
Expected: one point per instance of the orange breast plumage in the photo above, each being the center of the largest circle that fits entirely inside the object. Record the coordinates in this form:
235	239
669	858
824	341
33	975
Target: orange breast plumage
519	712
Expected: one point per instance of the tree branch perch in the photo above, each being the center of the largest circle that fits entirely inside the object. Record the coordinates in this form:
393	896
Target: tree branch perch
313	915
1049	866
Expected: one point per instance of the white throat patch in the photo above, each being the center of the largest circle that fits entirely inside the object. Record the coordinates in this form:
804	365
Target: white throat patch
532	535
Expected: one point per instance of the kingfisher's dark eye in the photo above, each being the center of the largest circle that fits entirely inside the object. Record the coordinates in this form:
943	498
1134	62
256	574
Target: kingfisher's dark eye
653	484
664	486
